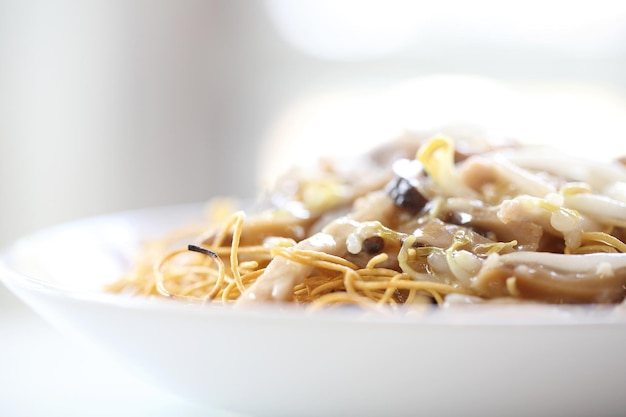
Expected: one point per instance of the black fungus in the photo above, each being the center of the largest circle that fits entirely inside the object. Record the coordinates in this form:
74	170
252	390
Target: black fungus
465	219
406	196
373	245
455	217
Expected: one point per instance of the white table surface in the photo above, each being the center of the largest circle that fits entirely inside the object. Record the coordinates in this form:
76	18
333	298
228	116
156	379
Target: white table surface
45	373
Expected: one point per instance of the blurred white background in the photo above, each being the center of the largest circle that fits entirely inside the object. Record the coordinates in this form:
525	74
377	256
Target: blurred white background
112	105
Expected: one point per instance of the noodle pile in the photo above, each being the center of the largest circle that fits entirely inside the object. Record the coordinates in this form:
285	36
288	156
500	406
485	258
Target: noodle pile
199	274
419	221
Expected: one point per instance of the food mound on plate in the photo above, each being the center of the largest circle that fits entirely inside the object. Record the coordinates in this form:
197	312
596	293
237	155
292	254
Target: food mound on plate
419	220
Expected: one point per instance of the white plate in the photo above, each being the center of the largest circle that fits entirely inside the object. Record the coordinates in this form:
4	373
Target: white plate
280	361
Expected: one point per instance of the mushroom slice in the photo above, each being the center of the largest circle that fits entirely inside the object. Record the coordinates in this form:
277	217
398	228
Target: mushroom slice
555	278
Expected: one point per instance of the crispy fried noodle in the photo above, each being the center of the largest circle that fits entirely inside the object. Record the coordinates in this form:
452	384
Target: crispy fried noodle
421	220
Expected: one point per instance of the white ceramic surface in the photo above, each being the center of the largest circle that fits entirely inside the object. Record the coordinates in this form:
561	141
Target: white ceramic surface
279	361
